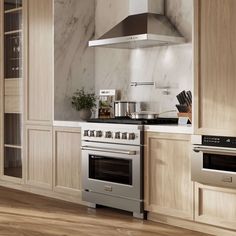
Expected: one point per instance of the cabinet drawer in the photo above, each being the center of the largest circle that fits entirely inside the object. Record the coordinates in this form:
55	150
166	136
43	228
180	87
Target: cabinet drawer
215	206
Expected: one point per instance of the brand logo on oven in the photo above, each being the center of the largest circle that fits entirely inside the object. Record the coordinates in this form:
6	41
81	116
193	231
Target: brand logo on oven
228	140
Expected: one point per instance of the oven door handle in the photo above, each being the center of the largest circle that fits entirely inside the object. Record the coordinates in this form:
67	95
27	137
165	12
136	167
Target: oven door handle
215	150
110	150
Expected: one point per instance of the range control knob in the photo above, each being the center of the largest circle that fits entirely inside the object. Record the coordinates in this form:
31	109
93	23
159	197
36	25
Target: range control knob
108	134
99	134
117	135
131	136
91	133
124	135
86	133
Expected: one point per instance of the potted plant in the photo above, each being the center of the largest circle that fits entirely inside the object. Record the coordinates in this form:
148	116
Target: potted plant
83	103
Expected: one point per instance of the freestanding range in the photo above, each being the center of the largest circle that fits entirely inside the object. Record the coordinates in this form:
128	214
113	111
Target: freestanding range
112	163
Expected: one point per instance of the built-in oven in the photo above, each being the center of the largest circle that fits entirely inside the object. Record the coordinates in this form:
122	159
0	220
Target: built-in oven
214	160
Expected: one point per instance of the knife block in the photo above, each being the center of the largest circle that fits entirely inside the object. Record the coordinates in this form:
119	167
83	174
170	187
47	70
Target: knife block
185	115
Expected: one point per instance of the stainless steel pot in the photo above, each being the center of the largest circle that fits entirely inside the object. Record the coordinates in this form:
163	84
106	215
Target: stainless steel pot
124	108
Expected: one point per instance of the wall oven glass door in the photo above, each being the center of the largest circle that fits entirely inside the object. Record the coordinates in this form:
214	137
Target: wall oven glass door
112	169
116	170
219	162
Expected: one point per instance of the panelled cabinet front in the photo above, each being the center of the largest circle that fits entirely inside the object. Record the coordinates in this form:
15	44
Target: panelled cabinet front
168	186
39	156
215	70
40	43
215	206
67	160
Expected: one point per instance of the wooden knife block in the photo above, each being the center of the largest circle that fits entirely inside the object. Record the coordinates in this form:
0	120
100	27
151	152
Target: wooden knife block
186	114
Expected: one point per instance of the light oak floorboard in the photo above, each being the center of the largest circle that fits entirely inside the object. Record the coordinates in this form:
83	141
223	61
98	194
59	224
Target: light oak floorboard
24	214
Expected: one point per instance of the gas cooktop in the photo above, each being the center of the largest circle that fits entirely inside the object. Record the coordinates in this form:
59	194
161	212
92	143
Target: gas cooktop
157	121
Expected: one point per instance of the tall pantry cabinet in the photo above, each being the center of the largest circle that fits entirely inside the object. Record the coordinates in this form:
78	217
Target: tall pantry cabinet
26	82
215	70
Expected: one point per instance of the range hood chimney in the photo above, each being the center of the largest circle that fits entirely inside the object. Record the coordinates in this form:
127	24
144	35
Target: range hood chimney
146	26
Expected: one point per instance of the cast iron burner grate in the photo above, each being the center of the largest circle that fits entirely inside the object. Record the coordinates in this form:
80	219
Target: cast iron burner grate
157	121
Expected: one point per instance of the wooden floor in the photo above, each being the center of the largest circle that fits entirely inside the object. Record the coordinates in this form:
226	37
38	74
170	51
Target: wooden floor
32	215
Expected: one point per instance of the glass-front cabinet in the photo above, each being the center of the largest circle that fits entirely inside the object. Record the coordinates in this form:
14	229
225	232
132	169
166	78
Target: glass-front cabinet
13	87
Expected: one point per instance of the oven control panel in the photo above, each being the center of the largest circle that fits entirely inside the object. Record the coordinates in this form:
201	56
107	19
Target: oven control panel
110	135
113	133
219	141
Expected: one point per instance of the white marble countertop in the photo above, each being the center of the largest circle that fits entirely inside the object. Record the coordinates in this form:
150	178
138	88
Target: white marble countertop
75	124
178	129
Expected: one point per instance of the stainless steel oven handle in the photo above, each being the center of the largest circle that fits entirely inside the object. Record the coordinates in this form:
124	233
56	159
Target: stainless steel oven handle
117	151
216	150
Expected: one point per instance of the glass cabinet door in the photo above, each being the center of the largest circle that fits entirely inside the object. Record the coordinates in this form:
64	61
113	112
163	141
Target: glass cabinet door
13	88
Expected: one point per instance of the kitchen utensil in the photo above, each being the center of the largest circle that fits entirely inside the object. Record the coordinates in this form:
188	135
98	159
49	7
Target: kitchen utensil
185	98
148	114
124	108
181	97
182	108
189	94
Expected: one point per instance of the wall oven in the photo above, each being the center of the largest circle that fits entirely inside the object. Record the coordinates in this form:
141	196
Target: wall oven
214	160
112	167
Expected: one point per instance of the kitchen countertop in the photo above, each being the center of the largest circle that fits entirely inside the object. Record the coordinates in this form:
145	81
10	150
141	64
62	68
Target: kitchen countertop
178	129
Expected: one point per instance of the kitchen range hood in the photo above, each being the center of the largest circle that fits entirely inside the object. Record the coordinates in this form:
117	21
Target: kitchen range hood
146	26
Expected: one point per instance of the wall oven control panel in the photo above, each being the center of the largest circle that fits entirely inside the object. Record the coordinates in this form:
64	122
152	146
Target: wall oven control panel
219	141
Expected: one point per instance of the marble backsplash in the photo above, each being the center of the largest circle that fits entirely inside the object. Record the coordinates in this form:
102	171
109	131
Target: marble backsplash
169	66
77	66
73	59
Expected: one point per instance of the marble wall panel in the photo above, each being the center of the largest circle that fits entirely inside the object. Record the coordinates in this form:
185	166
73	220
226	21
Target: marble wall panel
74	60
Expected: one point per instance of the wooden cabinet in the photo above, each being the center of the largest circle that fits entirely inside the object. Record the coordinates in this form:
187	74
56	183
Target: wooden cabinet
26	71
38	153
168	186
12	79
215	70
67	160
39	86
215	206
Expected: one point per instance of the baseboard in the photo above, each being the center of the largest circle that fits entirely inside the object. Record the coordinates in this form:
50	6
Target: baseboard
190	225
73	198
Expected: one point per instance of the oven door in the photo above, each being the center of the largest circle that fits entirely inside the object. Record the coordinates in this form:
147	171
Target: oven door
214	165
112	169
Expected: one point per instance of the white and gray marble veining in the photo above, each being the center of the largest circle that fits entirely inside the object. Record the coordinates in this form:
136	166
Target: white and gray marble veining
166	66
74	60
77	66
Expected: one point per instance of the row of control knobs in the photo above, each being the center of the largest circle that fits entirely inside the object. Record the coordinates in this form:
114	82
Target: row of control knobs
109	134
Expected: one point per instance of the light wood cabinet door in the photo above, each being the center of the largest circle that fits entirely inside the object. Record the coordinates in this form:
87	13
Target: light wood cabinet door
215	70
168	185
40	64
67	160
215	206
39	156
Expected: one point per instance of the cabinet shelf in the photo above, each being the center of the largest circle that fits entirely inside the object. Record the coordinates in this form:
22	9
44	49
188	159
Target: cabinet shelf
13	79
13	10
13	32
12	146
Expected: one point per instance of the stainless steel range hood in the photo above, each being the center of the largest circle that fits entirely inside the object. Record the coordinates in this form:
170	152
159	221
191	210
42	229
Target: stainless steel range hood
146	26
